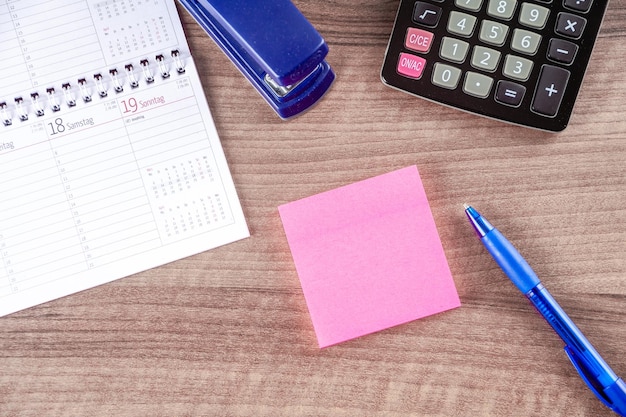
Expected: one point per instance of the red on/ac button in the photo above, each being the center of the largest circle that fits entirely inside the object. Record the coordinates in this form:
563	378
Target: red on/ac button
411	66
418	40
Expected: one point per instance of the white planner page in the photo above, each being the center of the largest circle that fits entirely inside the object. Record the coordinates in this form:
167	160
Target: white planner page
116	184
46	43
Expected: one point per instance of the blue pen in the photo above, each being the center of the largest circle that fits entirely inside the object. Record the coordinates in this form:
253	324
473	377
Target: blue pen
600	378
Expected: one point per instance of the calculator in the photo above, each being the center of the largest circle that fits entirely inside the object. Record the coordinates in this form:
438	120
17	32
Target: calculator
519	61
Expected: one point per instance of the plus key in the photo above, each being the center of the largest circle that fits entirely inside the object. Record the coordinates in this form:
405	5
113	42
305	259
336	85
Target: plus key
550	89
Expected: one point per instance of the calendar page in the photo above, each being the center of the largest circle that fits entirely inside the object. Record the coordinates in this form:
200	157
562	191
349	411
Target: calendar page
128	27
112	181
48	43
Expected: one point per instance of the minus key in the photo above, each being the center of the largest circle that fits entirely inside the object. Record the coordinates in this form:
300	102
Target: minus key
562	51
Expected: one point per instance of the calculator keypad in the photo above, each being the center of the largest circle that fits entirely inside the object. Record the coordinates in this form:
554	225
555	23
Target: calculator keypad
502	9
570	25
533	15
493	33
520	61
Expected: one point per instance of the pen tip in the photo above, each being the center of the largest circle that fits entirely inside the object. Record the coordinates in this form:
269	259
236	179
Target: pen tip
466	206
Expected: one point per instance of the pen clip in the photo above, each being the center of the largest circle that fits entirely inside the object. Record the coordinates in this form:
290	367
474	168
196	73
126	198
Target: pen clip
588	376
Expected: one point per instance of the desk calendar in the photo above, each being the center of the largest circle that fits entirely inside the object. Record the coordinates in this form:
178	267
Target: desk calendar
109	158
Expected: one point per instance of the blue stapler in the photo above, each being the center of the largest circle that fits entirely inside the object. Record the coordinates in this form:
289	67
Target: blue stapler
273	45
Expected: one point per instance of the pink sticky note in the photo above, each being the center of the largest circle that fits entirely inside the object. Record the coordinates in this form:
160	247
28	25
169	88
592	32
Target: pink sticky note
368	256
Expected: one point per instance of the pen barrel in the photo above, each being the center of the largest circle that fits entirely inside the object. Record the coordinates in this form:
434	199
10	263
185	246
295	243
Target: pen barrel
596	373
510	260
552	312
617	394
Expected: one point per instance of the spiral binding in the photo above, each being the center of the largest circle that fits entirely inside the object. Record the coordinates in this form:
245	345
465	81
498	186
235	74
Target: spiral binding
117	80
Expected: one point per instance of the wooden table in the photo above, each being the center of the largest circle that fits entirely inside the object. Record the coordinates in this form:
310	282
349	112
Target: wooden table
227	332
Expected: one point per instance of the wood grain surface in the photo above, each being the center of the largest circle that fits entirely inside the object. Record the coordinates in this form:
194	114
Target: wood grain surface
227	332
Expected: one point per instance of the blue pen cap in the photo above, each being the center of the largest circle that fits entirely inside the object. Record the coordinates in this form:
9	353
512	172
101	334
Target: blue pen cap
612	393
617	396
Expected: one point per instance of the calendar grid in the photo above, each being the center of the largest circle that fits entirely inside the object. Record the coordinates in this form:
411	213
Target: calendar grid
118	178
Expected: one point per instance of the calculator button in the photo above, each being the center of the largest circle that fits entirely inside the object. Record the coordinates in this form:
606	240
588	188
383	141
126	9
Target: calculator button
502	9
446	76
418	40
453	49
525	41
562	51
510	93
493	33
477	85
426	14
578	5
485	58
461	24
533	16
410	65
473	5
550	89
517	67
570	25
